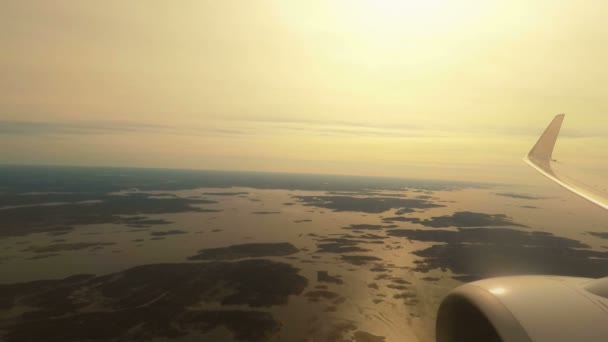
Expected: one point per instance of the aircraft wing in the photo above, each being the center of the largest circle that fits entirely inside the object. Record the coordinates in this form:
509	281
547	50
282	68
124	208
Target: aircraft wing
540	158
530	308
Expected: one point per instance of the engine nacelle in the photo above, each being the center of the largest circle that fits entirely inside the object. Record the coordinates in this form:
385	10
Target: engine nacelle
525	309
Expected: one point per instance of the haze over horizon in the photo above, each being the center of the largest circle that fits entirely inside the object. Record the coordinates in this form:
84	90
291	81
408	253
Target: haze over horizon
433	89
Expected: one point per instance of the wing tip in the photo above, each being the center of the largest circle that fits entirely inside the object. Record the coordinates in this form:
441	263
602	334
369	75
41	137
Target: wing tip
543	149
540	159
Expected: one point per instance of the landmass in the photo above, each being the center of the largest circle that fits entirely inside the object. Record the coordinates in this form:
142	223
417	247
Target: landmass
248	250
477	253
150	302
519	196
60	247
460	219
111	208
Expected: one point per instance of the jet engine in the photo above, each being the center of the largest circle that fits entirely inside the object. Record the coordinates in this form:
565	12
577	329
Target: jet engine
525	309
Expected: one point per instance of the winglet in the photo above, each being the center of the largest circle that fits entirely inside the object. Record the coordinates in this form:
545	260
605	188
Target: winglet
542	151
540	158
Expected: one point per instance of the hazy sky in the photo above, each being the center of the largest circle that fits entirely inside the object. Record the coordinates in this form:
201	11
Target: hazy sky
433	88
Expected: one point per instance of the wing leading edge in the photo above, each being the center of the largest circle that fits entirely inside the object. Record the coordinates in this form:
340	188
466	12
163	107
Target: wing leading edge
540	158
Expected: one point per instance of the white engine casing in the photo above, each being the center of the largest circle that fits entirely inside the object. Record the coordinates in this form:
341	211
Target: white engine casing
526	309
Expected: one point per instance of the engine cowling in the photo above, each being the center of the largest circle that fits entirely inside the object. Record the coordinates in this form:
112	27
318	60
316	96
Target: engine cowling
525	309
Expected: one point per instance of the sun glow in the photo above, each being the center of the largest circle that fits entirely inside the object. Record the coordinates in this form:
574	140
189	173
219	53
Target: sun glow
368	32
388	13
405	16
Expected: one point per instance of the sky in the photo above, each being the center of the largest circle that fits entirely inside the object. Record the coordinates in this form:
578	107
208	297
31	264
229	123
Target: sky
433	89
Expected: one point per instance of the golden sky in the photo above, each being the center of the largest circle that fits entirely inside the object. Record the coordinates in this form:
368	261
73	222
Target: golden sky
410	88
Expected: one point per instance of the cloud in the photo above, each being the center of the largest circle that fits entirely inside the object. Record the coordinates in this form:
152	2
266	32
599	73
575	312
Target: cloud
332	128
58	127
395	129
266	127
216	127
101	127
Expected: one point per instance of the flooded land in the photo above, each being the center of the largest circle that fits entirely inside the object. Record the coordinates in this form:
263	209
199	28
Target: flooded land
148	255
